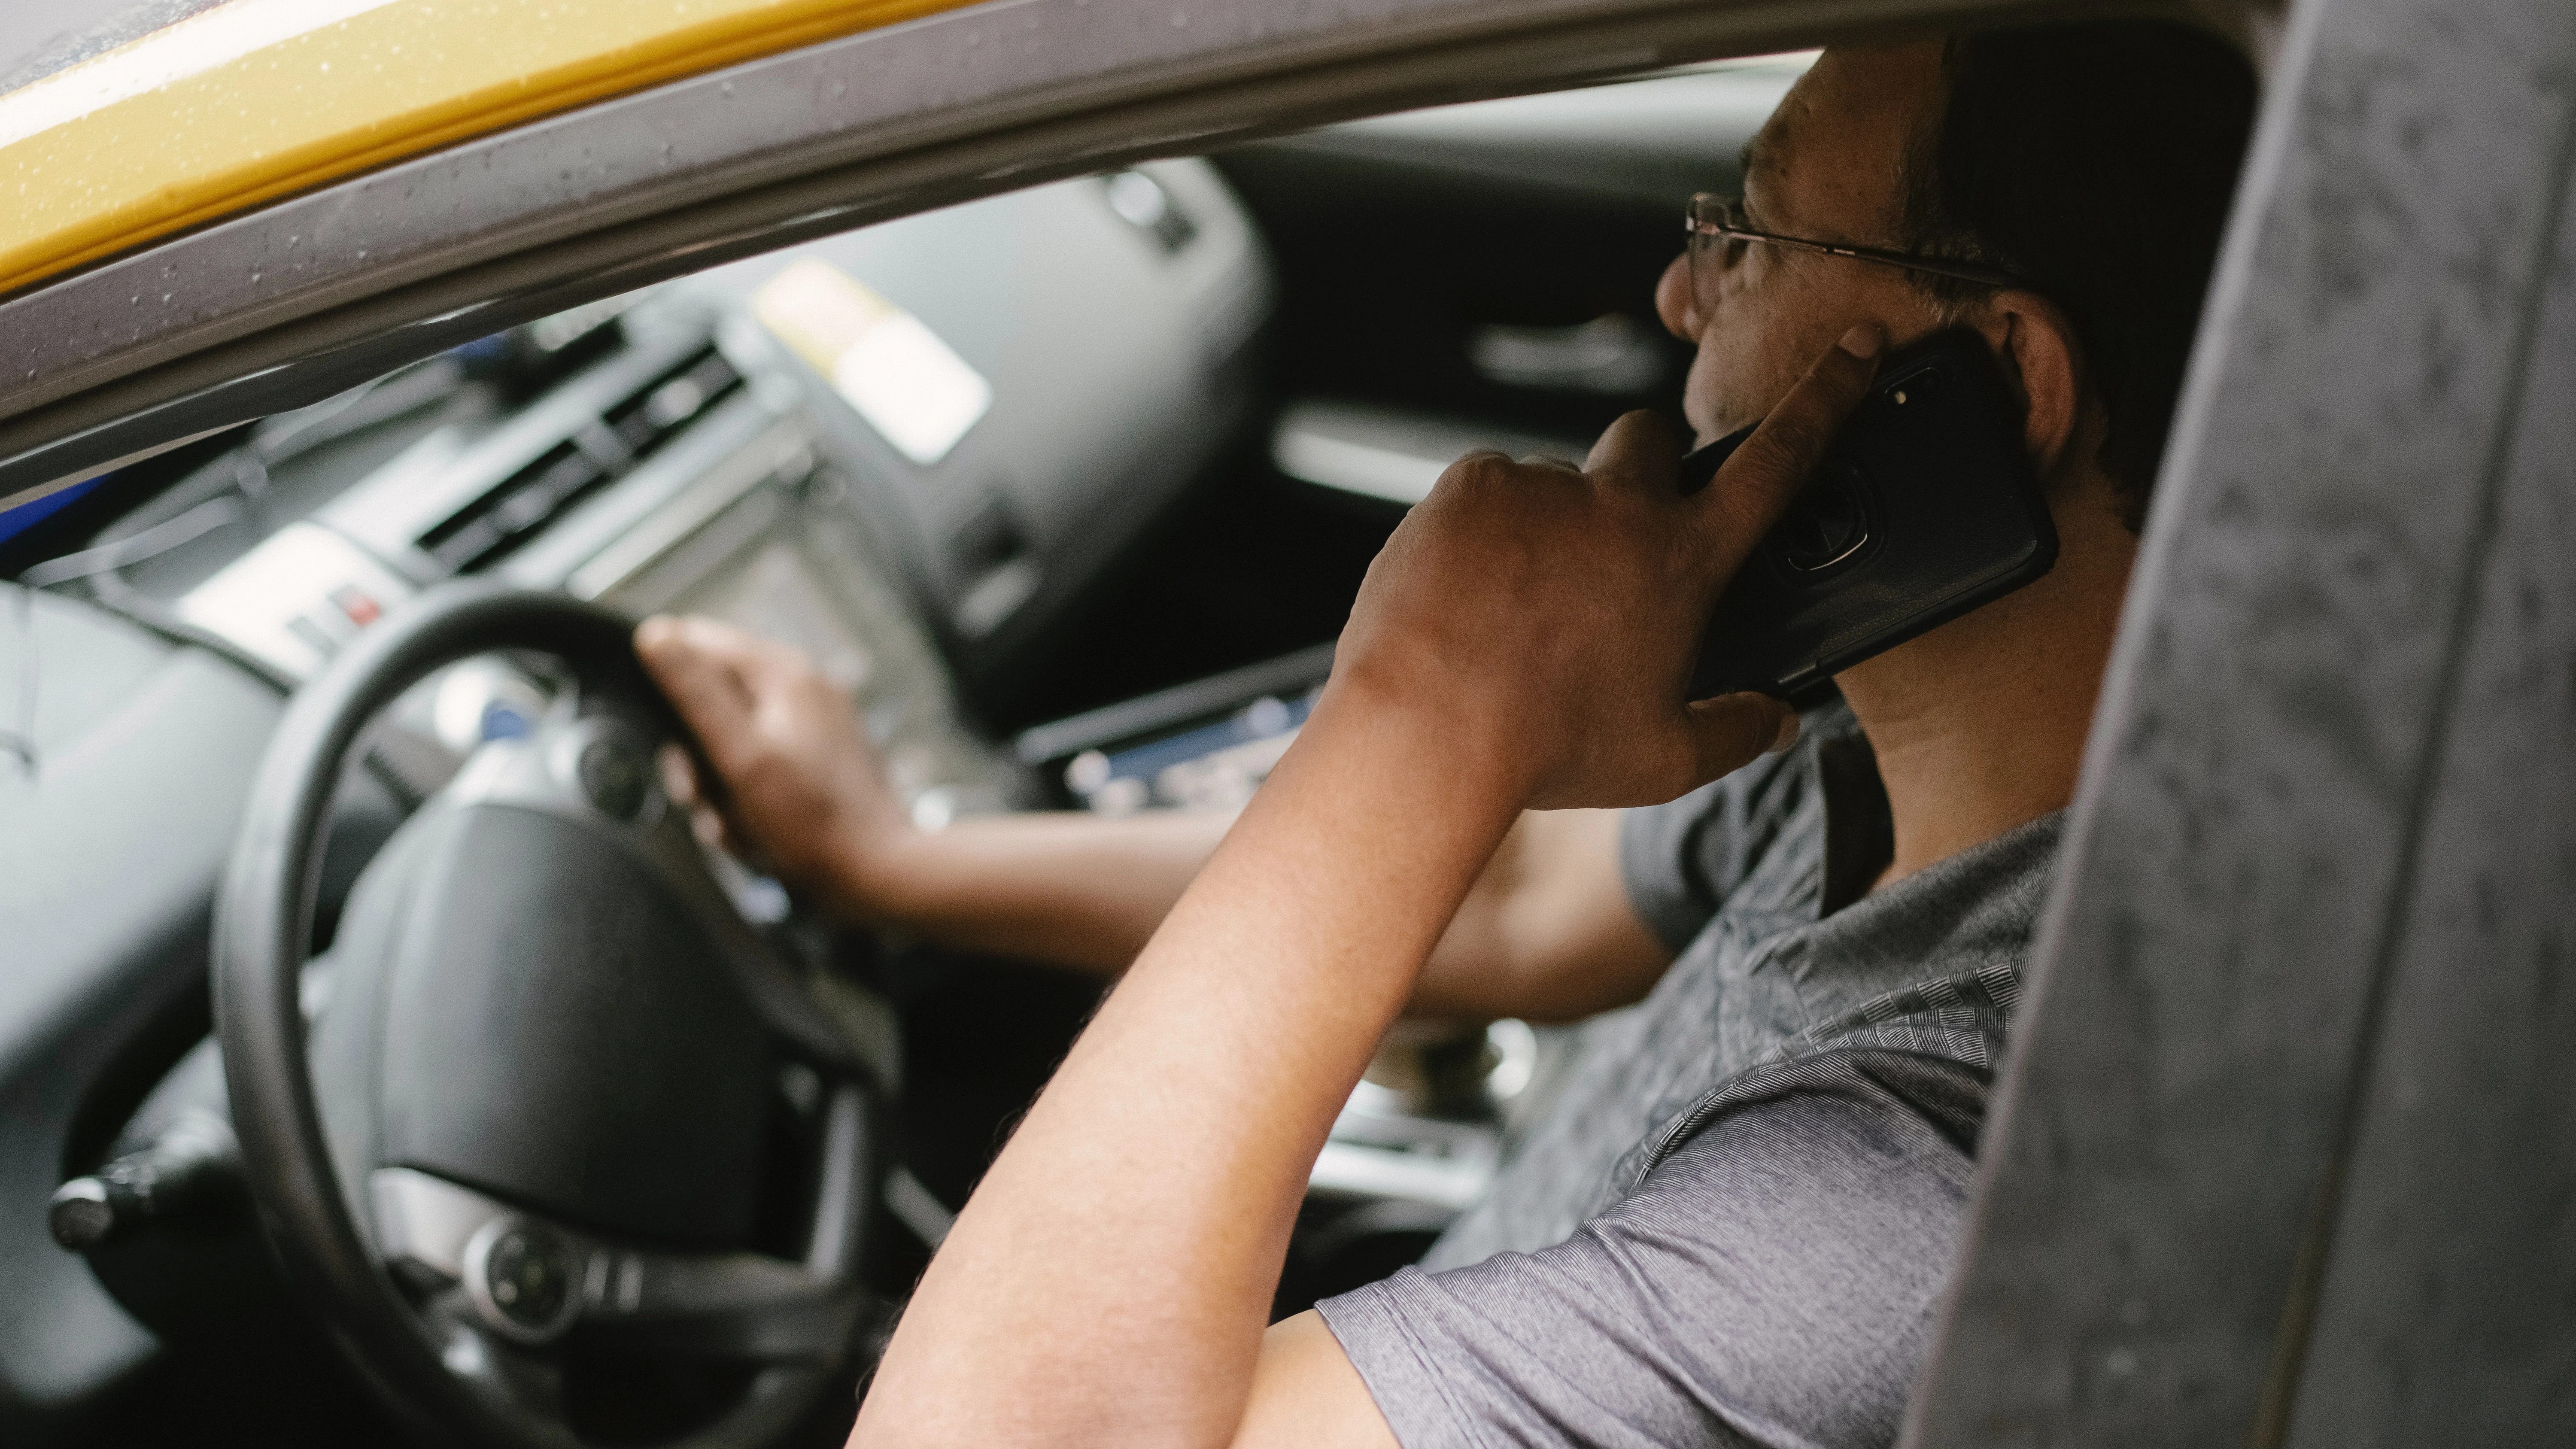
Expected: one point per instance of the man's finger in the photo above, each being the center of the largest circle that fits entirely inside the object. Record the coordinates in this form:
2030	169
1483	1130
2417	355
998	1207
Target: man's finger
1728	732
1756	484
708	824
1637	447
679	775
702	683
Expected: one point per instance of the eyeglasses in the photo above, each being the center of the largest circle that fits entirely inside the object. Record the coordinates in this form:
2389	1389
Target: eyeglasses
1718	237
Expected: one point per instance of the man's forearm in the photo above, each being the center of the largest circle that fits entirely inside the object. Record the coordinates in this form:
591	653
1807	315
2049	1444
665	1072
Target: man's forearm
1547	932
1109	1281
1073	889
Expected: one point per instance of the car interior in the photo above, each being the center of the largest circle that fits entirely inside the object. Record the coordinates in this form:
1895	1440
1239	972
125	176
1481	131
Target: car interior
1070	489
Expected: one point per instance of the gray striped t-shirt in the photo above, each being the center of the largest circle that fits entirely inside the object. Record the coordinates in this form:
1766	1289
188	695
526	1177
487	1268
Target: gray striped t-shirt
1731	1225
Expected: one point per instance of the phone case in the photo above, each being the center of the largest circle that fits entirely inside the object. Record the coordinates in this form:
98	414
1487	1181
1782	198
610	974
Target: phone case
1924	508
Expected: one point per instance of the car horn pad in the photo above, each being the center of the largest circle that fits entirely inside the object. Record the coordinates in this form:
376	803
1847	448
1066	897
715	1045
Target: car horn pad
546	1074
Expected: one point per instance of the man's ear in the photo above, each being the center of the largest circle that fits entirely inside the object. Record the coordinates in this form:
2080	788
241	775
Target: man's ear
2034	342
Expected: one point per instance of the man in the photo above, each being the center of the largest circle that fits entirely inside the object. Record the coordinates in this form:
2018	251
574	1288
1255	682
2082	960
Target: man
1733	1225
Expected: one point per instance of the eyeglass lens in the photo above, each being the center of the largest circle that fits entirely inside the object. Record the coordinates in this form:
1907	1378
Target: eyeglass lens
1713	248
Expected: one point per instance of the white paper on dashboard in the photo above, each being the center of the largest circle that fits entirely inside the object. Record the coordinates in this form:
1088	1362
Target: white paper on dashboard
908	383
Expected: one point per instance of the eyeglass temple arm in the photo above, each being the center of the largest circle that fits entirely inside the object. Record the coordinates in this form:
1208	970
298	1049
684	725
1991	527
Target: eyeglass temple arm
1960	271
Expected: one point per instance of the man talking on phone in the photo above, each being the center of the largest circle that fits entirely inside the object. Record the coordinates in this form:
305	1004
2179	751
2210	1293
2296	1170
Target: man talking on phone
1732	1226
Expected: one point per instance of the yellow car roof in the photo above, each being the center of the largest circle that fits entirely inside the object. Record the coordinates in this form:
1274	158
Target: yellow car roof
253	99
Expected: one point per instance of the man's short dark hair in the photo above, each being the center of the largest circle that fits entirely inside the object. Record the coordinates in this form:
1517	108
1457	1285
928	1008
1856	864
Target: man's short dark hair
2097	160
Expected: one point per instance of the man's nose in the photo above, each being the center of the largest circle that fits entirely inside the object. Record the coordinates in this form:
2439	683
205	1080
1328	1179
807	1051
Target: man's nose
1673	300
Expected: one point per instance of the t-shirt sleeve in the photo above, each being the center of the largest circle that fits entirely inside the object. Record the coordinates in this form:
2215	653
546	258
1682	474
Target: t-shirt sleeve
1772	1283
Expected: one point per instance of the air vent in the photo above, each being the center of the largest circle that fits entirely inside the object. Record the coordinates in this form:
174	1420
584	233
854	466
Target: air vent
592	455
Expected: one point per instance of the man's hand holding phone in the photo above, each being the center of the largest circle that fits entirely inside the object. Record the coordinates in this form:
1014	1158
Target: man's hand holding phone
1549	619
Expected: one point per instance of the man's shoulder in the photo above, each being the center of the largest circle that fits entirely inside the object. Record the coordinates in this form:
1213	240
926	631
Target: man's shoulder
1944	1093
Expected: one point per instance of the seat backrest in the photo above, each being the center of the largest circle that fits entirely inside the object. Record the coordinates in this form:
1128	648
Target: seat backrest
2286	1152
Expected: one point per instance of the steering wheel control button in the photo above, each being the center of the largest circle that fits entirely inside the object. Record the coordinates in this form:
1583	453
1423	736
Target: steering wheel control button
527	1274
615	778
524	1278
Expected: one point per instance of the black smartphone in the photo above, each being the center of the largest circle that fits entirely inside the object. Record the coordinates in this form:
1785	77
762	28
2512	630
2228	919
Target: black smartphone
1925	507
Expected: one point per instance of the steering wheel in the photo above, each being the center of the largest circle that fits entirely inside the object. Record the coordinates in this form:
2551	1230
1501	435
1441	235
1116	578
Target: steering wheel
563	1113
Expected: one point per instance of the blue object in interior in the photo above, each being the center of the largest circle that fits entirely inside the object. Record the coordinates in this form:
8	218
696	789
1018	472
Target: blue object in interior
503	721
25	516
